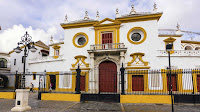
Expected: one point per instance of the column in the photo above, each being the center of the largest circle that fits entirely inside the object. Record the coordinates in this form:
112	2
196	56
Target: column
122	58
91	75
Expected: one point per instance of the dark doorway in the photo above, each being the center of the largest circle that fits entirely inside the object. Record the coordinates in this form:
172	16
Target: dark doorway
53	81
198	83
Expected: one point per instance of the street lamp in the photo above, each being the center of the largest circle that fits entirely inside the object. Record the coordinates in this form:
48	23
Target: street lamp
28	45
169	47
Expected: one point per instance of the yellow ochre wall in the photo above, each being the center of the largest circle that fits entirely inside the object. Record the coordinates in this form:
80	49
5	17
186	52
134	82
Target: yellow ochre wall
7	95
61	97
161	99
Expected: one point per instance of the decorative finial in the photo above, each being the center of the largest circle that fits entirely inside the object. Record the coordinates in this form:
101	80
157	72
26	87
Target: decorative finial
117	13
155	7
178	31
51	41
86	15
178	26
191	38
97	17
97	13
132	9
66	19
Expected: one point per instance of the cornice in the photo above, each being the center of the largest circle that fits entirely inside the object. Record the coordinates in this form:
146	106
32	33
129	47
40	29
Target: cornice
136	18
191	42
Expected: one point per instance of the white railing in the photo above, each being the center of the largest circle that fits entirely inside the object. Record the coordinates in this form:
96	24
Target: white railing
180	53
108	46
46	59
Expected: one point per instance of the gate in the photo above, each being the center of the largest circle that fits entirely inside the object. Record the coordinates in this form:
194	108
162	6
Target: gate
107	84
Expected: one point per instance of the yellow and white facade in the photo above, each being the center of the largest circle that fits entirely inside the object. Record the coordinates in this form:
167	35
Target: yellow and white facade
132	39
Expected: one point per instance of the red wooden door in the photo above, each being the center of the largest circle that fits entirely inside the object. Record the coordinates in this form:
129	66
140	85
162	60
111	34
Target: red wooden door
106	38
137	83
82	83
107	77
174	82
198	83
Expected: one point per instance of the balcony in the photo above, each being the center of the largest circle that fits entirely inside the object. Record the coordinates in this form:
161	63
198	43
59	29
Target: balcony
46	59
110	47
181	53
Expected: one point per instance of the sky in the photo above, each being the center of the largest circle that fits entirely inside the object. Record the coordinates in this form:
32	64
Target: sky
42	18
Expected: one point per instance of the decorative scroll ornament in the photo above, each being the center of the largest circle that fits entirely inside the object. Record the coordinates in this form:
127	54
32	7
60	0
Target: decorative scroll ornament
137	60
80	61
86	15
133	9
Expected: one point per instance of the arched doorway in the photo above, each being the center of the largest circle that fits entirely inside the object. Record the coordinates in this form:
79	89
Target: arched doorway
107	77
3	81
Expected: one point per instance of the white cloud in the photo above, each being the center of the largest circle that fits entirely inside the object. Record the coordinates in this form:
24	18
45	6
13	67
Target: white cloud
11	36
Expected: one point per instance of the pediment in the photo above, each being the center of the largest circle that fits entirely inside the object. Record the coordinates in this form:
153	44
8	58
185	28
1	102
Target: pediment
107	21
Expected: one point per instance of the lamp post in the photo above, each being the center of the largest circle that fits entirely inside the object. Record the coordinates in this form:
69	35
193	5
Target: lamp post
169	47
28	45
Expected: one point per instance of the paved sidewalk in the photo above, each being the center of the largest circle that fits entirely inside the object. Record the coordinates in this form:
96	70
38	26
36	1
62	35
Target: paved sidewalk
63	106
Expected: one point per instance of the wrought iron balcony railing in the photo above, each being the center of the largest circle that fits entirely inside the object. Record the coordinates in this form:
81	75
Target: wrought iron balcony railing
108	46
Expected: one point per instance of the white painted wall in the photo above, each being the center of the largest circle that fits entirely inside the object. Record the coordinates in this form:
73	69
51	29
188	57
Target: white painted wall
149	47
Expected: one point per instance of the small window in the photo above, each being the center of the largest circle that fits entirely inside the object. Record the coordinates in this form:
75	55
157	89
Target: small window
197	48
14	61
34	76
136	37
81	41
3	63
57	52
188	48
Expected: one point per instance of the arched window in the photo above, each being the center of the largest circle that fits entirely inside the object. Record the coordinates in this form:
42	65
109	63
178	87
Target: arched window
3	63
188	48
197	48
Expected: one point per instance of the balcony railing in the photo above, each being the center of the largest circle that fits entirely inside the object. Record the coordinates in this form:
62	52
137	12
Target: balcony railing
109	46
46	59
180	53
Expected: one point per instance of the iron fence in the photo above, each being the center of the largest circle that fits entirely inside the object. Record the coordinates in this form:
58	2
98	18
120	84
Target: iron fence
152	82
184	81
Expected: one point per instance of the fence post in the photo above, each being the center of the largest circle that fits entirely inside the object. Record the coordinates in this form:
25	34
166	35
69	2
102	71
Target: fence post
122	69
16	81
45	75
78	76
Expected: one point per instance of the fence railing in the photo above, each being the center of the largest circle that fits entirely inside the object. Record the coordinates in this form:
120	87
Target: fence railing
41	82
184	81
158	81
46	59
179	53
